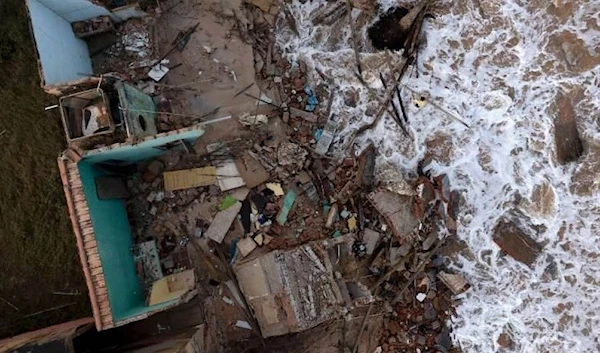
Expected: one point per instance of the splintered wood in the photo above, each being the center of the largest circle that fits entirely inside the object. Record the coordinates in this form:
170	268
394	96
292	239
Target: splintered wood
190	178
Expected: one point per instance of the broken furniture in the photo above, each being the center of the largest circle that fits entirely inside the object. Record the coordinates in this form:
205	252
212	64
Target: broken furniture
138	110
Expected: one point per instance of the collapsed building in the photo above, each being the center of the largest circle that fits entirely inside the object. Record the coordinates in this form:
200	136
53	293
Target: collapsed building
125	280
225	195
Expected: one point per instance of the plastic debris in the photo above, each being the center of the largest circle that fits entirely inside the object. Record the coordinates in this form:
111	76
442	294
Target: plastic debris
159	70
227	202
243	324
288	203
276	188
352	222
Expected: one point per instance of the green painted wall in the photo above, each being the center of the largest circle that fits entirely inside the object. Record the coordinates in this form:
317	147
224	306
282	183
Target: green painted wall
141	151
111	225
138	107
113	235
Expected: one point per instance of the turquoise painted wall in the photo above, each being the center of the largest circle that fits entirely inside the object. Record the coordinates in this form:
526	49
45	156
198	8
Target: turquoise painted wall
113	235
144	150
112	228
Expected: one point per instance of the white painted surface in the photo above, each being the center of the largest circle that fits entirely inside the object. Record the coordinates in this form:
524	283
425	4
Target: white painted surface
75	10
63	57
129	11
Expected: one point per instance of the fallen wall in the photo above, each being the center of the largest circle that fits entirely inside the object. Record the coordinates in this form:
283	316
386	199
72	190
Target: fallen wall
75	10
113	235
62	56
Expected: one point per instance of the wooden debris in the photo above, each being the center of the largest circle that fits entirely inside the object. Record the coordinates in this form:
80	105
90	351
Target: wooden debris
189	178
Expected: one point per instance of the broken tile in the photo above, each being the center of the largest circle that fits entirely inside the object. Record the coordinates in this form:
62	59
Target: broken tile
222	222
370	238
246	246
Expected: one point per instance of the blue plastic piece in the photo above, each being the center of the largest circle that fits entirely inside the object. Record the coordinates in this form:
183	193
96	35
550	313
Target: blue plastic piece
318	134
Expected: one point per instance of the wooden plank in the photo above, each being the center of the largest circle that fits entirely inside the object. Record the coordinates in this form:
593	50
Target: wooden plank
190	178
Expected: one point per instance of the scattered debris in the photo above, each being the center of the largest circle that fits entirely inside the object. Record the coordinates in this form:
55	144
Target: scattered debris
457	283
159	70
243	324
397	211
310	238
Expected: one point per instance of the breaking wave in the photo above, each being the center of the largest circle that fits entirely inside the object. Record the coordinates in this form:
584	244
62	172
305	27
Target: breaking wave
499	66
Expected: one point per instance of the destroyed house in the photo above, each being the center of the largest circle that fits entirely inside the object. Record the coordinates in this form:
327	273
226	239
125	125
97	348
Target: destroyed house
60	29
113	111
124	278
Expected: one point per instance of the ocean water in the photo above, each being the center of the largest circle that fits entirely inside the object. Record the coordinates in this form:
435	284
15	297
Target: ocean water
499	66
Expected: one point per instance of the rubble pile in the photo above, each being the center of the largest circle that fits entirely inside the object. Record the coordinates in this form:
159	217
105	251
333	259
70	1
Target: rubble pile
268	189
127	51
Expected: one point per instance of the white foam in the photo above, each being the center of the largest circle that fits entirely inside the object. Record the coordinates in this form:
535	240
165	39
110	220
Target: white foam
508	150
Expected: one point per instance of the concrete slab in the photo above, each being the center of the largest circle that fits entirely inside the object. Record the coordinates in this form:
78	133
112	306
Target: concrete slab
397	211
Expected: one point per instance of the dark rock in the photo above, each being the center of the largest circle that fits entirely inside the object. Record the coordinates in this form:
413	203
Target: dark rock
430	312
505	341
214	190
566	136
437	261
514	241
351	97
551	269
443	340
